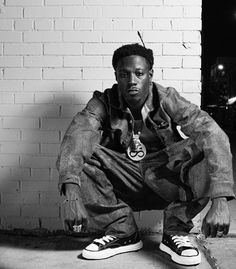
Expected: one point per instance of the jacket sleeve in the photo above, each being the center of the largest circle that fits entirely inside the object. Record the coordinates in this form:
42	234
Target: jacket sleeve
83	133
209	138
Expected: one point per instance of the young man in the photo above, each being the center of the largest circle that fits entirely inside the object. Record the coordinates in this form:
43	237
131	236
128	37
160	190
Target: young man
123	153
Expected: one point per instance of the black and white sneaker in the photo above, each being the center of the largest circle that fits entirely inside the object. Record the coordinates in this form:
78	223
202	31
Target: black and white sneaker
180	249
110	245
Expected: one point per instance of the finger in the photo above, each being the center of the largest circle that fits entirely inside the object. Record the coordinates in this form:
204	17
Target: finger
205	229
220	231
225	229
214	229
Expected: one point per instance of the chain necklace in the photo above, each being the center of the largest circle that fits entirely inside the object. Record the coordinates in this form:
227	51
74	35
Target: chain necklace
136	150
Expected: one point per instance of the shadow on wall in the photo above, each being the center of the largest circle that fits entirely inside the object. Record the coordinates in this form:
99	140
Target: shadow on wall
28	180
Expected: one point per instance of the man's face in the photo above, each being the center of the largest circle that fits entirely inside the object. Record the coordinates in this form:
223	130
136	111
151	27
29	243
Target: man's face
134	77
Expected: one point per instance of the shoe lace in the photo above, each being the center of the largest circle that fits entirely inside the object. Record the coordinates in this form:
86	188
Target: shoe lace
105	239
181	241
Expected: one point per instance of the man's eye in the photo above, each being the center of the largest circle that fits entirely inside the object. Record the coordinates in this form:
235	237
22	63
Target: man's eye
123	75
139	74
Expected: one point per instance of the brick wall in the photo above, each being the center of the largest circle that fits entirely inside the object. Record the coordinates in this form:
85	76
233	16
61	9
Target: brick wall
53	54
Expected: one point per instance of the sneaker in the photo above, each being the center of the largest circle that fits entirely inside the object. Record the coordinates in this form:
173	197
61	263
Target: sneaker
180	249
110	245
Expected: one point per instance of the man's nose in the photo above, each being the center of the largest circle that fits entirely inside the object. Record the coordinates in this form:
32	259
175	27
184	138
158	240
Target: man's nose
132	80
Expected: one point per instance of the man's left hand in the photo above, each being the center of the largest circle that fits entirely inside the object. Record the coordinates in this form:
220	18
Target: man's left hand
217	220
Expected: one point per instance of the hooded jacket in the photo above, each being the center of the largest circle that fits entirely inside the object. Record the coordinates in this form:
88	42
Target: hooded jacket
107	121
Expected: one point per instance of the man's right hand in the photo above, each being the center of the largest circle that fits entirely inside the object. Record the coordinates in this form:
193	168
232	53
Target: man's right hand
74	210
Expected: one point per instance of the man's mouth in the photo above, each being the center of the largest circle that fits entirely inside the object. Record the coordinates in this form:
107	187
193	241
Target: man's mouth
133	90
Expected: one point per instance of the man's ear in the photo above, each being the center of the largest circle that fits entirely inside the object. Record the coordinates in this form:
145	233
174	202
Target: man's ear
115	75
151	71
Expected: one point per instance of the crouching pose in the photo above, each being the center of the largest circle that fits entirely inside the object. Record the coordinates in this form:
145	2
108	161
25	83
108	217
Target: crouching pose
124	153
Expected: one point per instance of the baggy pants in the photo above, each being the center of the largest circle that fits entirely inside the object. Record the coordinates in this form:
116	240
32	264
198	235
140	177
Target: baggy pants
174	179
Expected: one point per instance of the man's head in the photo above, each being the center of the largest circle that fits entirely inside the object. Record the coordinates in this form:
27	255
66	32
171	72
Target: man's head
133	70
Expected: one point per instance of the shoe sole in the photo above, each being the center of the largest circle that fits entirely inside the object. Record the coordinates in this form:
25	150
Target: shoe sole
183	260
106	253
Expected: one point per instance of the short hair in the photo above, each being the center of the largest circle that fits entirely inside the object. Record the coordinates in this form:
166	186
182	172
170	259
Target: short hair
132	49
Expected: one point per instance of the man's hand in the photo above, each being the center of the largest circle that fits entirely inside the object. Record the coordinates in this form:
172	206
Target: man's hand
74	212
217	220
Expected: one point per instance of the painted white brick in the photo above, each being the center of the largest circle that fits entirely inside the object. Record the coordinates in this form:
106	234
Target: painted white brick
43	85
107	61
42	36
62	73
43	61
6	98
163	36
10	110
82	98
103	24
6	25
192	12
162	24
183	2
71	111
42	12
143	2
156	48
44	24
81	61
97	73
64	24
7	36
117	36
10	184
193	98
122	24
103	2
39	211
63	2
23	24
11	61
19	198
40	173
23	73
23	49
18	172
63	49
1	74
192	36
177	84
9	160
24	98
186	24
36	161
52	224
51	149
192	62
9	210
11	85
49	198
19	222
24	2
182	74
9	135
181	49
83	36
82	12
41	110
39	136
19	122
122	12
40	185
55	124
192	86
100	48
163	12
44	98
63	98
82	85
168	61
19	147
84	24
142	24
11	12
